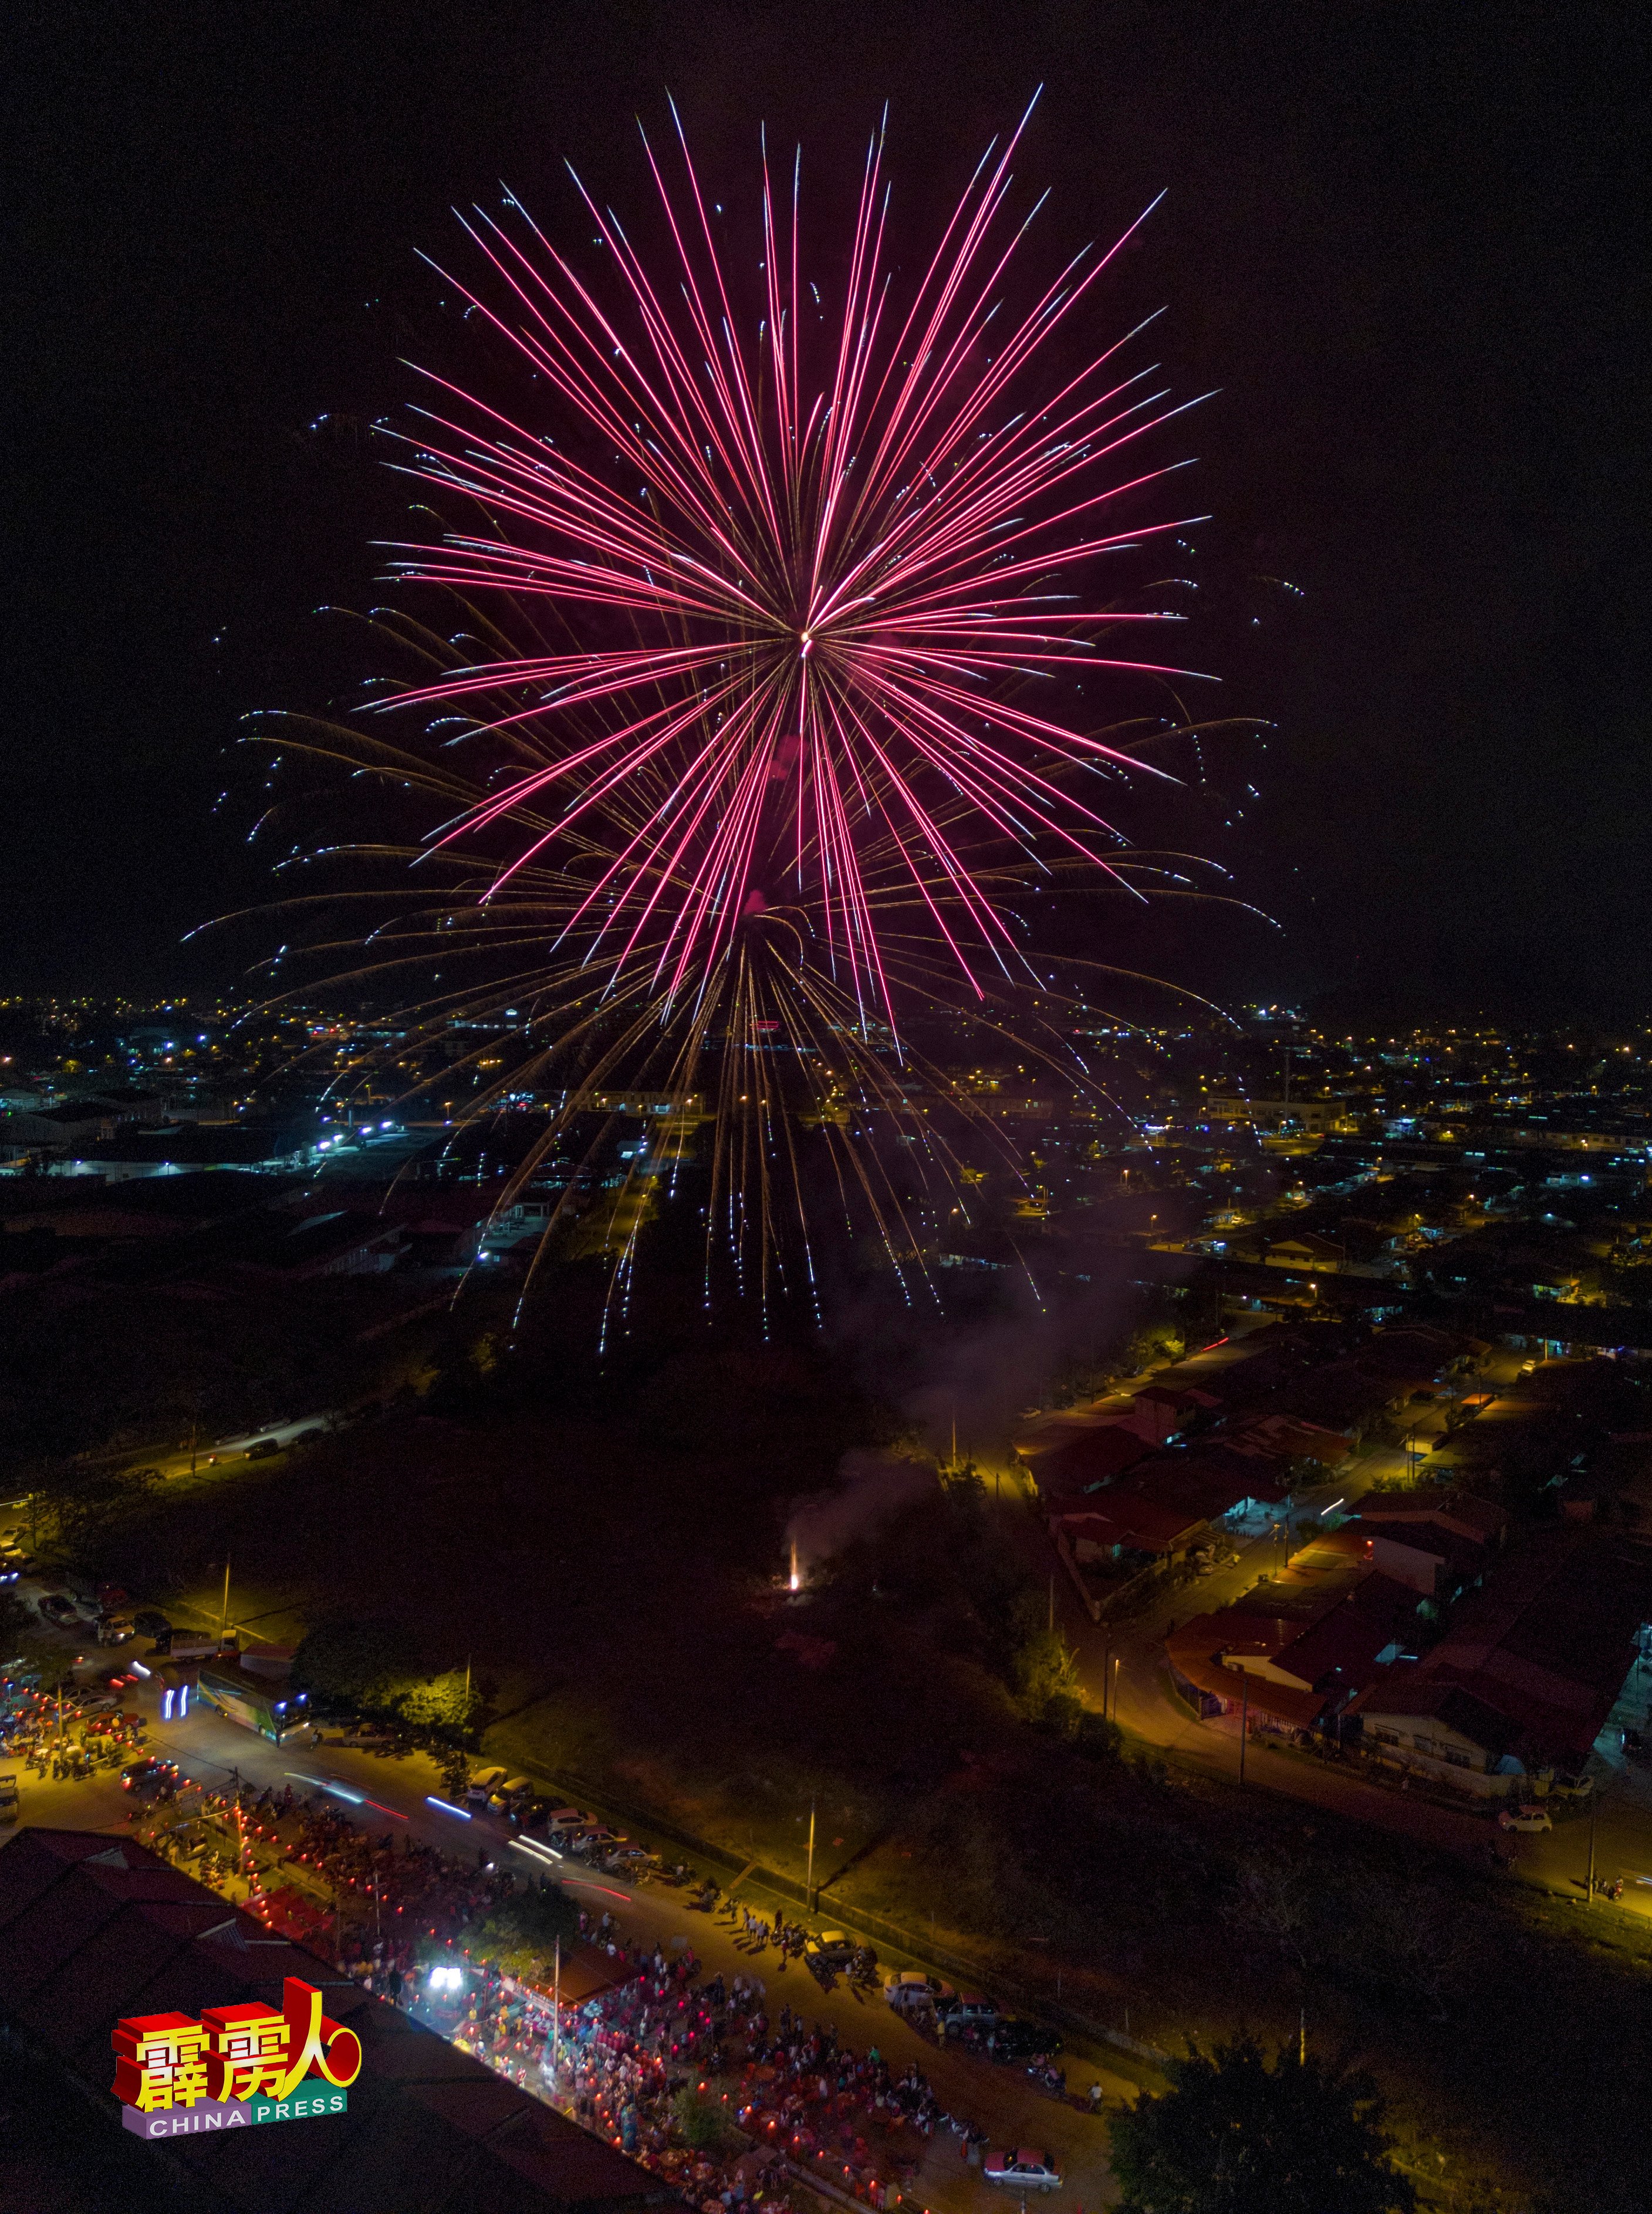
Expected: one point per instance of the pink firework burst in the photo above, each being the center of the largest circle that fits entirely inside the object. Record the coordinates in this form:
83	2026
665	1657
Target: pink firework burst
812	559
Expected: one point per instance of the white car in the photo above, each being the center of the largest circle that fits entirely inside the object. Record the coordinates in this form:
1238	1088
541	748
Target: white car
1027	2170
906	1988
1524	1818
969	2012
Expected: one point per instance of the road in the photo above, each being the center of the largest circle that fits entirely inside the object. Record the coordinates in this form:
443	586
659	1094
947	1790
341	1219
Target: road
384	1793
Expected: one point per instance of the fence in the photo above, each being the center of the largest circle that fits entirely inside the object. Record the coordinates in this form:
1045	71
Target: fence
857	1921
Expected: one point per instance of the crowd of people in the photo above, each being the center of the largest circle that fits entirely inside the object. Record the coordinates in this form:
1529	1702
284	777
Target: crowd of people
760	2093
691	2076
371	1901
59	1734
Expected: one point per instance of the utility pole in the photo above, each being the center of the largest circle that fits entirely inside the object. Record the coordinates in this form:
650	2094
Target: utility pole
1117	1657
1106	1673
809	1881
1244	1724
1594	1808
224	1618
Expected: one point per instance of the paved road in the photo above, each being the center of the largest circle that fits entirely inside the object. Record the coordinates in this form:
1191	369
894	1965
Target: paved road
382	1793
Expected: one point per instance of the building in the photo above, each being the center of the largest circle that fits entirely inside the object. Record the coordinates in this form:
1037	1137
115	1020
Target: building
1293	1440
687	1105
1296	1651
94	1929
1539	1654
1085	1460
1126	1526
1304	1251
341	1242
1315	1117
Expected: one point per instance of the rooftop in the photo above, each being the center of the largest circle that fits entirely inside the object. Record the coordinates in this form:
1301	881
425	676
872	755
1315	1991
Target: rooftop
93	1928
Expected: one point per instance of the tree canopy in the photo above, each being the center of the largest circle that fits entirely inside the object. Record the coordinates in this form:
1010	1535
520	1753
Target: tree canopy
1238	2134
366	1660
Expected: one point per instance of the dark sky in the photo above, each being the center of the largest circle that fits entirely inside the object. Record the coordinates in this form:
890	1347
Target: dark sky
1408	243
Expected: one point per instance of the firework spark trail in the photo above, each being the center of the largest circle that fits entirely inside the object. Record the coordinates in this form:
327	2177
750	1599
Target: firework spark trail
755	776
830	576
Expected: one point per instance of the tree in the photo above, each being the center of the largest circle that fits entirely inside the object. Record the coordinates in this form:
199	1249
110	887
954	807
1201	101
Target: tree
521	1933
1043	1666
1237	2135
86	1502
444	1703
1153	1341
360	1661
699	2119
24	1646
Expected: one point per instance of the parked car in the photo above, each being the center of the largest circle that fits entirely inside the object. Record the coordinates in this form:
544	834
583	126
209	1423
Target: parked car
834	1947
483	1784
60	1610
147	1774
970	2010
1027	2170
1013	2039
114	1629
261	1449
148	1622
907	1991
1524	1818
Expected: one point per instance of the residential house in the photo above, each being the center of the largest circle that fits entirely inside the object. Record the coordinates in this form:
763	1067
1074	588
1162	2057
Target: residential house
1305	1251
1543	1651
1296	1651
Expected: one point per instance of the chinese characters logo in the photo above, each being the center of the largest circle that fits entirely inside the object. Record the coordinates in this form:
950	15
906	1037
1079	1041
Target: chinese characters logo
244	2056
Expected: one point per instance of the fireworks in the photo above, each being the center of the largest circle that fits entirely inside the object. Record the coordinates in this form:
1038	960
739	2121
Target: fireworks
768	700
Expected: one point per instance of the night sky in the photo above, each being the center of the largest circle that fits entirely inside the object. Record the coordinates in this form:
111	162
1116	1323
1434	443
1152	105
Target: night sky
1408	244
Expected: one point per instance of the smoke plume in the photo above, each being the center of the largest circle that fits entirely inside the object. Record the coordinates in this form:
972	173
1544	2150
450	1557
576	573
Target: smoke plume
870	1487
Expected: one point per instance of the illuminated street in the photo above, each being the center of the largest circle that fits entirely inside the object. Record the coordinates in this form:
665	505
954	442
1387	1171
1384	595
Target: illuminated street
216	1754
